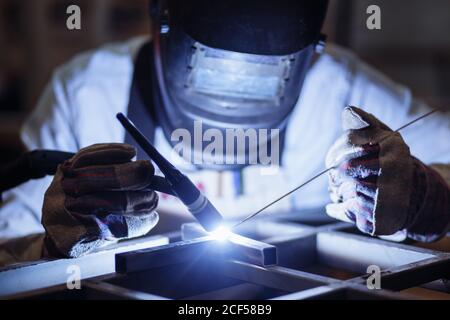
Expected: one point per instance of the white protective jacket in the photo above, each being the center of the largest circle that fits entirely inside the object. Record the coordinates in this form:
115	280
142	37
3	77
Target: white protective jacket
79	105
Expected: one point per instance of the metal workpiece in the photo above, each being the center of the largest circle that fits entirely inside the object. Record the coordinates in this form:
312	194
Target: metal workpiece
203	246
416	274
173	253
25	277
239	247
316	259
341	291
249	250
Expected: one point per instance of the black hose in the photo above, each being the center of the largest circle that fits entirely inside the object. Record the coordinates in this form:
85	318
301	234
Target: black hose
31	165
40	163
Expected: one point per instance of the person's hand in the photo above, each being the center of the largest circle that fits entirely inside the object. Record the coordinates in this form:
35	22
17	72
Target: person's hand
377	184
97	197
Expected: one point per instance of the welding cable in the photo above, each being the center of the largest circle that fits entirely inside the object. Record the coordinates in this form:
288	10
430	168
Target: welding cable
331	168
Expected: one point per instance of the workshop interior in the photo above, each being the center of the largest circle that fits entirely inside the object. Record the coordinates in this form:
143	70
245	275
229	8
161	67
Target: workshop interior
339	191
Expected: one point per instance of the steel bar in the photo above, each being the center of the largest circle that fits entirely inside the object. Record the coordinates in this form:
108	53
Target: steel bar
241	248
173	253
234	247
416	274
274	277
252	251
46	273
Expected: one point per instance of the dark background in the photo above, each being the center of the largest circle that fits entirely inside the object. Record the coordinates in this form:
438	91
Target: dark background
413	46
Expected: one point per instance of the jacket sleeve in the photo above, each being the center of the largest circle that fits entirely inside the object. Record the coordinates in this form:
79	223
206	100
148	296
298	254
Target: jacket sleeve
28	248
74	111
49	127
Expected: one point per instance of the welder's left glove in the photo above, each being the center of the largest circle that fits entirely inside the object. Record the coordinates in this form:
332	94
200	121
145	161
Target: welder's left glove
379	186
97	197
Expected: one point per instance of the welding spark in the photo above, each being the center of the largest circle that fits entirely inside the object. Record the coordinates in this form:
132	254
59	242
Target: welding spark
222	233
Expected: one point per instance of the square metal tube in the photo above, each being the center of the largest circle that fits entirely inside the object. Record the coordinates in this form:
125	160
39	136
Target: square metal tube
235	247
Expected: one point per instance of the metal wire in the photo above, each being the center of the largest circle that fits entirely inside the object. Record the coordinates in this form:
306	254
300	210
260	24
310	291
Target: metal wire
328	169
284	196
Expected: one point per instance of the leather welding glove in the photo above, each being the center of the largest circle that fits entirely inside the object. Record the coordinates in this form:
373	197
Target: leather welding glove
377	184
97	197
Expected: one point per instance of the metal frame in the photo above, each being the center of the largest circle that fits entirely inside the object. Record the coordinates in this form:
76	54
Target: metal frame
40	274
315	261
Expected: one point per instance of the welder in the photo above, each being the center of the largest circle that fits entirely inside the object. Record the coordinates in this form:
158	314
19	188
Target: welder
229	64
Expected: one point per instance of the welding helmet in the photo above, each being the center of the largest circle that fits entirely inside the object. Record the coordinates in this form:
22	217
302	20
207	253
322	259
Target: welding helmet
231	64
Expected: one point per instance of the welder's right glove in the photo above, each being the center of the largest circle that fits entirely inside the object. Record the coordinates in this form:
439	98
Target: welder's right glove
97	197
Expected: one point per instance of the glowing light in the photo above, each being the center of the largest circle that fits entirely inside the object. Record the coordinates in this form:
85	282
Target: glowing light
222	233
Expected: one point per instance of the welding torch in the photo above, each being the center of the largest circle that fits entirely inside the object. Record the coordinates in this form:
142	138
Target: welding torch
183	188
39	163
